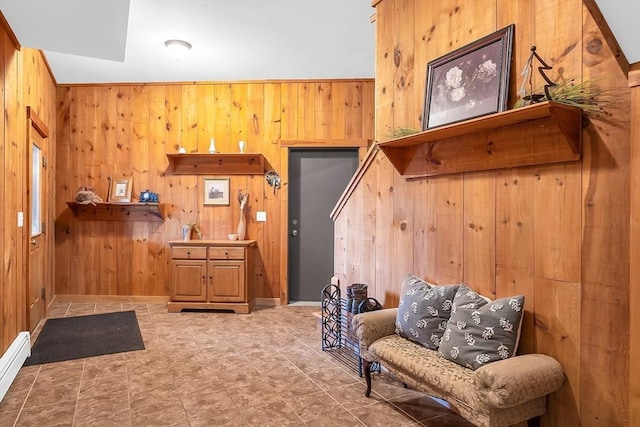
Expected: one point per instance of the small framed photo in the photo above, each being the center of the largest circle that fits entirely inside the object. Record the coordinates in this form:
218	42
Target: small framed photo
120	190
216	191
469	82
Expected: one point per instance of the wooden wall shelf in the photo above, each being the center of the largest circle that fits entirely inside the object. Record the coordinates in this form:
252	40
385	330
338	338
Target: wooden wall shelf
216	164
150	212
547	132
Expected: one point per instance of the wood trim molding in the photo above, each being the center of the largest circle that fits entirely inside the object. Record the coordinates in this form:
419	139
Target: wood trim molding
634	75
364	166
350	142
5	24
46	63
139	299
593	8
38	124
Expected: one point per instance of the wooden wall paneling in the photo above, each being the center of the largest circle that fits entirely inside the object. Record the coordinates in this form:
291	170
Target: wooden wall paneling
634	274
448	232
322	111
425	242
75	263
402	226
558	330
365	252
367	89
340	254
305	111
187	211
6	333
515	250
106	154
205	116
337	123
158	146
606	239
404	99
289	129
270	248
385	291
221	115
284	225
255	119
558	220
479	235
289	110
174	206
189	118
426	23
385	69
63	191
140	152
354	117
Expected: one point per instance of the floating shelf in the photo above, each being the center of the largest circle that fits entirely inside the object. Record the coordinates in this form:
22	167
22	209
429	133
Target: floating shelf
216	164
150	212
547	132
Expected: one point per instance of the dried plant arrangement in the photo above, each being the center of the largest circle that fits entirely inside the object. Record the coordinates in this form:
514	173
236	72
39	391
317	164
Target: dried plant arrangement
398	132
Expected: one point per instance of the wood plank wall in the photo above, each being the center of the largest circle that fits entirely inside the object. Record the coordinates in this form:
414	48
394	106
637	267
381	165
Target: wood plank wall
24	81
127	130
558	234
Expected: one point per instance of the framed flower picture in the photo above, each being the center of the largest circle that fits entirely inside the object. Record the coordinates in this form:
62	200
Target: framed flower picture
469	82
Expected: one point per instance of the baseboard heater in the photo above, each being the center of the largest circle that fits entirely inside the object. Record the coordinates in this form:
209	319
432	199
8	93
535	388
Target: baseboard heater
12	361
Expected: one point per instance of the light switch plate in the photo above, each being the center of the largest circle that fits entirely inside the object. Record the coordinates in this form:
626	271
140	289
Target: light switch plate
261	216
20	219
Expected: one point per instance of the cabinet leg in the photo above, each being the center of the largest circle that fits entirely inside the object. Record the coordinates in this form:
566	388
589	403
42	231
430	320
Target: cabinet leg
367	376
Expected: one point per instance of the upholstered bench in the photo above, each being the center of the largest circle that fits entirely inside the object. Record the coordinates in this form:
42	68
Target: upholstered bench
500	393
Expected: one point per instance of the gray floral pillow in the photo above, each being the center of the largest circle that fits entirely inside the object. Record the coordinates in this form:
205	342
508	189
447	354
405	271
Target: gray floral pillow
423	311
481	331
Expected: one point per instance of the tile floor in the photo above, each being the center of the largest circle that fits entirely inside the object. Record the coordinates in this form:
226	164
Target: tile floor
213	369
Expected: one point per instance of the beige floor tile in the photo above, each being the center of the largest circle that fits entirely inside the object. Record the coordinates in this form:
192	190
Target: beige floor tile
213	369
62	394
56	415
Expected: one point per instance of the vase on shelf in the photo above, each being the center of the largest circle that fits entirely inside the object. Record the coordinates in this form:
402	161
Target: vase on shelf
241	146
212	146
242	226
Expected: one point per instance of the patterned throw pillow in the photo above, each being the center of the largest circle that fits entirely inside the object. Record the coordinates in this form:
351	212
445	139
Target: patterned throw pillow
424	310
481	331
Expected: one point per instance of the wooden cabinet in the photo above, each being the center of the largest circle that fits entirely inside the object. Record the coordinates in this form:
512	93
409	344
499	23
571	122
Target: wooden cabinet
211	274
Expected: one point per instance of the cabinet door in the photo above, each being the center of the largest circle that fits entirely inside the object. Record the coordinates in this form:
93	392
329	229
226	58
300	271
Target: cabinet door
226	281
188	281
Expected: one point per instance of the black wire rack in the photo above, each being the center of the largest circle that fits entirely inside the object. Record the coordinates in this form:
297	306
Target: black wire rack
338	336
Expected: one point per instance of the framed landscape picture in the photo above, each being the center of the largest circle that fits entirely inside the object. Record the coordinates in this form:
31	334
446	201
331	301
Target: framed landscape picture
469	82
216	191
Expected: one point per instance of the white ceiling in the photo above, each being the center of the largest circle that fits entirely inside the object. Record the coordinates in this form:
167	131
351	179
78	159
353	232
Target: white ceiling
112	41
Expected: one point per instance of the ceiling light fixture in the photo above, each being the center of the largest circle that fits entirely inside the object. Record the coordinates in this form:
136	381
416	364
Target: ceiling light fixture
178	48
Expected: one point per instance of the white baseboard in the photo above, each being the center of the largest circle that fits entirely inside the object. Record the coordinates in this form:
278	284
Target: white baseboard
12	361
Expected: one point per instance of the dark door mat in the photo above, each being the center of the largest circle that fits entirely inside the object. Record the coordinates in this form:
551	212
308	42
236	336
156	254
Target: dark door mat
86	336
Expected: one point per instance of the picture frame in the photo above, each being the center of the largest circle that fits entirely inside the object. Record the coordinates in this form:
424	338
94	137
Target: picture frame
120	190
469	82
216	191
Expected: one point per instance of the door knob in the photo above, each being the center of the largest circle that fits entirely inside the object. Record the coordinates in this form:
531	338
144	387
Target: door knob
34	242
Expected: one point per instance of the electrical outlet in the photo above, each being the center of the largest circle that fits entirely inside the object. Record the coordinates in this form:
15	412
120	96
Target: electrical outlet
261	216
